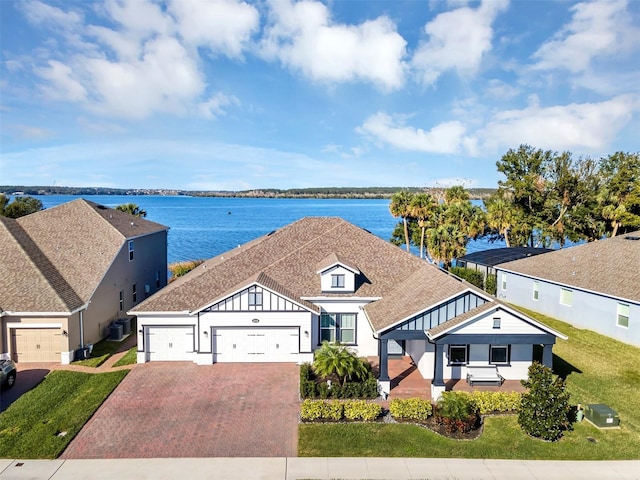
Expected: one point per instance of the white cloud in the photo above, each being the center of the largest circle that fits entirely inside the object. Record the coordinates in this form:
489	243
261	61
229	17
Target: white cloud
585	126
39	13
446	137
303	37
62	83
598	29
499	90
214	107
458	40
224	26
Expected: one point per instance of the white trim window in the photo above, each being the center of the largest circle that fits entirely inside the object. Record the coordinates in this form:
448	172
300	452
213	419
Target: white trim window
121	300
458	354
566	297
504	281
499	354
255	298
337	280
536	290
340	327
130	243
134	292
623	315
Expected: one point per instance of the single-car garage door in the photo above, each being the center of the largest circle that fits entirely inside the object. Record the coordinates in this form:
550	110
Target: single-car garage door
36	344
169	343
256	344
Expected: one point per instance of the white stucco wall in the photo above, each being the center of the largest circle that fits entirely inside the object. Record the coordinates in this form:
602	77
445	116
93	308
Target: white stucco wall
422	353
588	310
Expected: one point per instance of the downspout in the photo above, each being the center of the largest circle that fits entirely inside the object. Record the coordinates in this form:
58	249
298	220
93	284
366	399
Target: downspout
81	320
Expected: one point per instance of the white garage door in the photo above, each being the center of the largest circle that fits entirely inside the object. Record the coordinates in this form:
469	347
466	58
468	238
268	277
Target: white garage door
170	343
256	344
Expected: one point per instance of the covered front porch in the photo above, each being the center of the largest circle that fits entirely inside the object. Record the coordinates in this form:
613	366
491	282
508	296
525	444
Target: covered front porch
407	382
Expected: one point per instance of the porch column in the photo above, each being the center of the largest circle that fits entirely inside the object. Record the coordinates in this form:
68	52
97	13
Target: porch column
547	355
438	367
384	382
384	359
437	385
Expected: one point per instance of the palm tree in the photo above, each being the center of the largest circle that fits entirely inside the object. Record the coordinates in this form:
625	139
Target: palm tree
422	207
500	214
336	359
399	207
132	209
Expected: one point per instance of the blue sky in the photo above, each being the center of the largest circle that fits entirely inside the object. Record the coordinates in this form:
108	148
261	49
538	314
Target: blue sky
233	95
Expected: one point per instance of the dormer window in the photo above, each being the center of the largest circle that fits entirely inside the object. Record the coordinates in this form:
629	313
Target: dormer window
337	275
337	280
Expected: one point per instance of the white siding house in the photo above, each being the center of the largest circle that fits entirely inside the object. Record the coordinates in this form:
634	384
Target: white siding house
277	298
594	286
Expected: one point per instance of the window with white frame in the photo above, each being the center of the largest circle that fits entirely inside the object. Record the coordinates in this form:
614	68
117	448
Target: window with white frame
536	290
255	298
566	297
135	293
496	322
121	300
340	327
623	315
337	280
504	281
458	354
499	354
130	250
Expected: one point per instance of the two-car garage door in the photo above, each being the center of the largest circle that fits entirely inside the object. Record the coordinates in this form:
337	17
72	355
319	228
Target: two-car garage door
255	344
166	343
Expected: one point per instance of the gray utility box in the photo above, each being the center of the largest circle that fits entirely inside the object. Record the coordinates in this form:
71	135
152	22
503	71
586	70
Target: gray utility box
601	415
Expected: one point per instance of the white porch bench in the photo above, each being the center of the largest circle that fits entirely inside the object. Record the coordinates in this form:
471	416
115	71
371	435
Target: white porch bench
483	374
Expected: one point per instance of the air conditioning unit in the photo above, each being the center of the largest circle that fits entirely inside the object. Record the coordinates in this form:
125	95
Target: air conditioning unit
115	331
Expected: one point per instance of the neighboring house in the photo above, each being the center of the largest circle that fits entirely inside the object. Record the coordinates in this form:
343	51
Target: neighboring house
68	272
486	260
594	286
275	299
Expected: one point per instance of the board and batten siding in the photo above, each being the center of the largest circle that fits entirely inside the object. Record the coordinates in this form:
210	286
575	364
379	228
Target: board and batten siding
588	310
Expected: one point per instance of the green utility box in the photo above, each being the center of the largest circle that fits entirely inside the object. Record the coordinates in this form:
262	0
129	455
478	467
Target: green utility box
601	416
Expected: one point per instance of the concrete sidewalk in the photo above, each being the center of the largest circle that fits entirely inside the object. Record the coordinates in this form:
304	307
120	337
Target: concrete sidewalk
315	468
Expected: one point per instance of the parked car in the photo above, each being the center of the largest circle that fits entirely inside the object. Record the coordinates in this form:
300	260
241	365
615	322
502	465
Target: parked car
8	371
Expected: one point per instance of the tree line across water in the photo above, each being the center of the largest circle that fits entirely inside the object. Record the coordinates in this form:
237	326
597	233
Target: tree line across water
545	198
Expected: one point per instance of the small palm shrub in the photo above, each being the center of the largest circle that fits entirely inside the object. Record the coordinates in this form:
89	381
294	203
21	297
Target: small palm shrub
457	412
544	408
335	359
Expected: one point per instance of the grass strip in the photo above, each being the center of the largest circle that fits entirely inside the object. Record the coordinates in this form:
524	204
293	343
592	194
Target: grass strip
42	422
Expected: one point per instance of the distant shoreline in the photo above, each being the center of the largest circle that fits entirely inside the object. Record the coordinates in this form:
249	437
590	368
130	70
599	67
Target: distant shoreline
328	192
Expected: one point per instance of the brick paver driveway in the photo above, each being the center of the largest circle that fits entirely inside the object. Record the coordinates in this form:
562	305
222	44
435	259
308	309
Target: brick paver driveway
176	409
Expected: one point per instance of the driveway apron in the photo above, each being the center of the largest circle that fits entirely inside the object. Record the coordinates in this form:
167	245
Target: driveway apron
176	409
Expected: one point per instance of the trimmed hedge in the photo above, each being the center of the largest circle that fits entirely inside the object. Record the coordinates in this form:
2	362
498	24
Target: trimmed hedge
494	402
474	277
410	408
355	410
492	284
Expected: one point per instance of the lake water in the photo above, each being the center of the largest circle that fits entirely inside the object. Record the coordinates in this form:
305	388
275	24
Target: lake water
203	227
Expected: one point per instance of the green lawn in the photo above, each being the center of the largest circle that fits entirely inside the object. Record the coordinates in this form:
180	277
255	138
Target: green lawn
63	402
597	370
129	358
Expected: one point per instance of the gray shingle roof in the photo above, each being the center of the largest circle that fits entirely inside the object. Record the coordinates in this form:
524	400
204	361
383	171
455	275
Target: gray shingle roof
53	260
610	266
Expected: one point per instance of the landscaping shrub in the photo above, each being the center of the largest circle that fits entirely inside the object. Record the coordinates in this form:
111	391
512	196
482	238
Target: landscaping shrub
323	390
457	412
474	277
492	284
307	381
336	359
312	410
361	410
369	388
494	402
544	409
313	387
410	408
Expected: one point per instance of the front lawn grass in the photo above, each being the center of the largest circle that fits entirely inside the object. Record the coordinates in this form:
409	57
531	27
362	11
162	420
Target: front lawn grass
597	369
33	426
